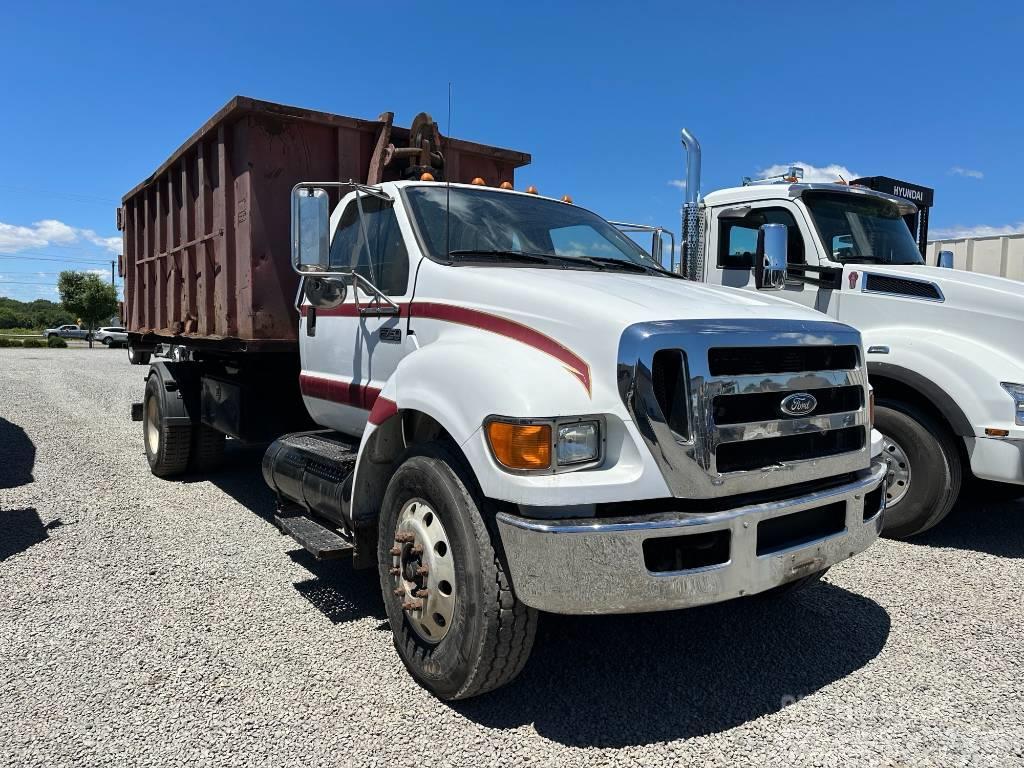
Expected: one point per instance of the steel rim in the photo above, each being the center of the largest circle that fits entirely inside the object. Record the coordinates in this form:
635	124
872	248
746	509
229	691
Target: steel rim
897	475
423	571
152	428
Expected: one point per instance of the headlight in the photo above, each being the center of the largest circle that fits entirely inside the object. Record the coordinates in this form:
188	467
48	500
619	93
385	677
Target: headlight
578	443
1016	391
545	445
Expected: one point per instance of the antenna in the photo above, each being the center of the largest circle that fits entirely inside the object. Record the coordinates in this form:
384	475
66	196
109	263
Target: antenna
448	184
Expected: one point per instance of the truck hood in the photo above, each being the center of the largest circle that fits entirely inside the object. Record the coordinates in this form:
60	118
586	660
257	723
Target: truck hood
997	297
604	298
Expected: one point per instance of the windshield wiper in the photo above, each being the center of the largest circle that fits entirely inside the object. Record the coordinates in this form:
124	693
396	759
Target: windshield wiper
532	258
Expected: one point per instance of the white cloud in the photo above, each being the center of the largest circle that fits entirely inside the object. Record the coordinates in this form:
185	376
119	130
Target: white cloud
98	272
970	173
812	173
979	230
677	183
15	238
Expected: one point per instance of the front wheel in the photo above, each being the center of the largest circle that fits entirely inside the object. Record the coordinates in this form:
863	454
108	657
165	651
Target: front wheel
457	624
106	341
924	469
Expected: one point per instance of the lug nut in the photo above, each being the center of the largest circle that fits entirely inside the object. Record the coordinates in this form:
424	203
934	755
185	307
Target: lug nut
399	592
412	605
422	570
396	551
416	550
405	537
394	571
421	593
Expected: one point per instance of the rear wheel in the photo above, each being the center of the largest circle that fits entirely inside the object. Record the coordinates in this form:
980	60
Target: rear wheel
207	452
138	357
457	624
106	341
167	445
924	469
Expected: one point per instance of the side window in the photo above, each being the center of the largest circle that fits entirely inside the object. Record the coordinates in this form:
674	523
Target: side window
737	238
389	270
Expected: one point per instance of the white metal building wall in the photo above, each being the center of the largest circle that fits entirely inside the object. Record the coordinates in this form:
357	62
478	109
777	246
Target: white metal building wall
1001	255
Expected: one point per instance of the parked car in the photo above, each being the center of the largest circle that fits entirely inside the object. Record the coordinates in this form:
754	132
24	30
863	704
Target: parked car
110	336
69	331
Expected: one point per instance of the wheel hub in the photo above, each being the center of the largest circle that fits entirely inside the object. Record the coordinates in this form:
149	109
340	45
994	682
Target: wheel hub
897	476
423	571
152	427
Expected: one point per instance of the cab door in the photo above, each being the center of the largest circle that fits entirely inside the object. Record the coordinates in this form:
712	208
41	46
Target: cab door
733	244
349	351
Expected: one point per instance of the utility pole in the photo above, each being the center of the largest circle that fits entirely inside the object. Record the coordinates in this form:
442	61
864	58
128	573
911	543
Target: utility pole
112	263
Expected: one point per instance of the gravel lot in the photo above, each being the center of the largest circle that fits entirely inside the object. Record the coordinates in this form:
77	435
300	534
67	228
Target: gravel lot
146	622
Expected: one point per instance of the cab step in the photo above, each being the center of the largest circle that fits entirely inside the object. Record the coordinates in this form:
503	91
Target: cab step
318	540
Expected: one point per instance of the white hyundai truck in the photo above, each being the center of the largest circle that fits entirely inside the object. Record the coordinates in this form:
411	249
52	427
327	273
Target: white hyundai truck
511	407
944	349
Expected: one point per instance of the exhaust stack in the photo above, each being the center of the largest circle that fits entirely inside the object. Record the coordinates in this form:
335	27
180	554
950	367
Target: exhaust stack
691	264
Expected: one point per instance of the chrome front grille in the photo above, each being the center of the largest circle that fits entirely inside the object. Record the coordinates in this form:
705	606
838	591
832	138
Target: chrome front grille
734	377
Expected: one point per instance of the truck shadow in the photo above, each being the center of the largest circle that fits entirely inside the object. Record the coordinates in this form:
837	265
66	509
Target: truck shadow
632	680
989	521
17	456
21	529
335	589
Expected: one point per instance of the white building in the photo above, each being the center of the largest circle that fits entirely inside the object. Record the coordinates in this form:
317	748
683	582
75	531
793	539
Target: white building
1001	255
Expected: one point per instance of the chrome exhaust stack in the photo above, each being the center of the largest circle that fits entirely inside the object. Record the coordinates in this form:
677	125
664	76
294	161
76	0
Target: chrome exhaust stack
691	262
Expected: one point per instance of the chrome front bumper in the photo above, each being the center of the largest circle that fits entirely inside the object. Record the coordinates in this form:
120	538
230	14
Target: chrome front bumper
599	565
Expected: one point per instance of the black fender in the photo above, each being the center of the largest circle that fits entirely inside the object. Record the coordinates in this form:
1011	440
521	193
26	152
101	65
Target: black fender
180	384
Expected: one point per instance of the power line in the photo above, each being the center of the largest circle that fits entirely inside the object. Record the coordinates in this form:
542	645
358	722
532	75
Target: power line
54	257
67	195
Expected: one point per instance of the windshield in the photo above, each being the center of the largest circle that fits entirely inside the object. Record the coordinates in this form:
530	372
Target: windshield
504	226
861	229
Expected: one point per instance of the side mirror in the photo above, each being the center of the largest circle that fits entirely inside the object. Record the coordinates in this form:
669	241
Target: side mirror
945	259
311	228
325	292
771	259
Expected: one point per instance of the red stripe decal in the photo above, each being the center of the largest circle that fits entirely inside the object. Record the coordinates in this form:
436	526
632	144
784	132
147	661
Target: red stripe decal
475	318
383	409
510	329
345	392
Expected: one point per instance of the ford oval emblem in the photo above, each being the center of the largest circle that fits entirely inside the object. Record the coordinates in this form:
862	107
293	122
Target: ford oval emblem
799	404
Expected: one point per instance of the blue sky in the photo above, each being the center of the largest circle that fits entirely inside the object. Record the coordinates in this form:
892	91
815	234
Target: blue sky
96	95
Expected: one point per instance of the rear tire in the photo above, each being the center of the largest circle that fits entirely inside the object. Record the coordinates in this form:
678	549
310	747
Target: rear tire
207	449
167	445
932	481
488	637
138	357
106	341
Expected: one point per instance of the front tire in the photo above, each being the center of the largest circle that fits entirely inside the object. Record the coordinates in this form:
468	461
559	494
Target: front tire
462	631
167	445
925	471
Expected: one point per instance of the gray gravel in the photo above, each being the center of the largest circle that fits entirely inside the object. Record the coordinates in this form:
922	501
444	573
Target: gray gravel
146	622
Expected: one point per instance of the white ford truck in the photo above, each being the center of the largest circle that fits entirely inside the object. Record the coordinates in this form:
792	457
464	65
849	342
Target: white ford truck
513	408
944	349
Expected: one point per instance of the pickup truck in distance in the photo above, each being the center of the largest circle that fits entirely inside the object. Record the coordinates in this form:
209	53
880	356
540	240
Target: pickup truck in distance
943	345
69	331
493	398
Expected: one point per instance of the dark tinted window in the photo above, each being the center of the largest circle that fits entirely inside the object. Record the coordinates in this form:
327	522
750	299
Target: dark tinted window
389	269
737	238
859	228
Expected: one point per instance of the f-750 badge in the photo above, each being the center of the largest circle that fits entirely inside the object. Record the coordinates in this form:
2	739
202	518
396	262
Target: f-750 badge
393	335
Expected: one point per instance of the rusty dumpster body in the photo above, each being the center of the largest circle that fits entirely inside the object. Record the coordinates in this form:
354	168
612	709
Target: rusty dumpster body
206	238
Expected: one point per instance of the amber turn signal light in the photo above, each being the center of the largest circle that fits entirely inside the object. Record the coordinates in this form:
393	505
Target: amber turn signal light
520	446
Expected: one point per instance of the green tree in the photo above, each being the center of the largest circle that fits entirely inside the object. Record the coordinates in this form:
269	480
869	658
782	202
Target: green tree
88	297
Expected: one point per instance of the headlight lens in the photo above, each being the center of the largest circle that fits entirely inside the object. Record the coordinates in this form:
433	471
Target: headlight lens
578	443
1016	391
